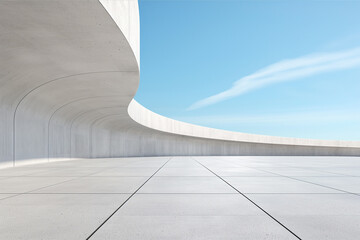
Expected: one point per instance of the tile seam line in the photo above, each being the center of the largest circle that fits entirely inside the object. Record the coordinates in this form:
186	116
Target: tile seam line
178	176
312	183
164	193
116	210
322	171
242	194
51	185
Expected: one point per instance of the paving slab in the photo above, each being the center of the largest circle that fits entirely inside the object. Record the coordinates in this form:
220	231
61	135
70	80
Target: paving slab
240	172
275	185
183	163
309	204
189	205
293	172
3	196
186	185
55	216
314	216
349	171
68	172
141	162
349	184
183	172
21	171
192	227
184	200
97	185
26	184
323	227
127	172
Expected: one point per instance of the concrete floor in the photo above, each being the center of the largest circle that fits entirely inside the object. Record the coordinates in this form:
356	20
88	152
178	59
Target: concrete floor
183	198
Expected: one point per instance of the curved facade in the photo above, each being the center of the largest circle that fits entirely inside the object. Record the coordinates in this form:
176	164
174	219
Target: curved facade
70	69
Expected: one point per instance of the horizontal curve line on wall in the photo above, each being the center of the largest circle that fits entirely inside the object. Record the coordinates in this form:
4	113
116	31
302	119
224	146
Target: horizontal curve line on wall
41	85
67	104
81	114
91	130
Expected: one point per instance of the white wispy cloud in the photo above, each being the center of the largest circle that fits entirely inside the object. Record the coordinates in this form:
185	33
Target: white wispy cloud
286	70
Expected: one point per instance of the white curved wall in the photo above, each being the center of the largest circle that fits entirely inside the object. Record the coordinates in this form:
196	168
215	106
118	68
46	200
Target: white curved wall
69	70
152	120
64	64
126	16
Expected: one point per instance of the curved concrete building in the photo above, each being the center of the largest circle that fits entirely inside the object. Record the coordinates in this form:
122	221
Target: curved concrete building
69	72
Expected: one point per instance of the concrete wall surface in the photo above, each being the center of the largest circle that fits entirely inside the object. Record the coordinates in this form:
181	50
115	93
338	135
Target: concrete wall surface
69	70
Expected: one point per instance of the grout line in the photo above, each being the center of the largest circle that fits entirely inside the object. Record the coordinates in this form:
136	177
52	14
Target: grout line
37	189
251	201
158	176
23	175
87	175
322	171
107	219
167	193
301	180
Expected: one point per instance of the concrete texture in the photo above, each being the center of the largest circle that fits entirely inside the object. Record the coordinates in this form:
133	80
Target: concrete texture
133	198
69	72
66	68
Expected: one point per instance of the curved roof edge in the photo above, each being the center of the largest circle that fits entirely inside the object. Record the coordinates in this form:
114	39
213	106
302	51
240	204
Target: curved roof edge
128	25
149	119
145	117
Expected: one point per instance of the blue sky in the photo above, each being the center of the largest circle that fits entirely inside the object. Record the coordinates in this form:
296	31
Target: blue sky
281	68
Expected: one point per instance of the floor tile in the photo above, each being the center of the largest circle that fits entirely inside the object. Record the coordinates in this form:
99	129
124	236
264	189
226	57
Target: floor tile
274	185
155	162
349	184
68	172
185	172
324	227
184	200
189	205
291	172
3	196
186	185
97	185
127	172
240	172
21	171
55	216
192	227
26	184
311	204
187	163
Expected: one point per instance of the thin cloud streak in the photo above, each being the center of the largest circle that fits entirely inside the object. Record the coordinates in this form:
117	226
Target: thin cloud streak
286	70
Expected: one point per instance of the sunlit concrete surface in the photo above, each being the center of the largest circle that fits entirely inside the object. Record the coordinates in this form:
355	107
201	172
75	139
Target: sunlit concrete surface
183	198
68	73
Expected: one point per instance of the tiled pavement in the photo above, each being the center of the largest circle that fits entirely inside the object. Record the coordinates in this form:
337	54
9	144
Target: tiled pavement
183	198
